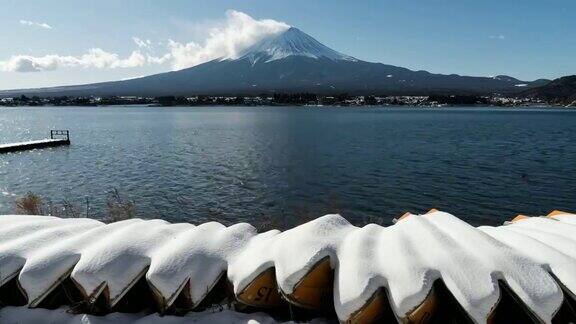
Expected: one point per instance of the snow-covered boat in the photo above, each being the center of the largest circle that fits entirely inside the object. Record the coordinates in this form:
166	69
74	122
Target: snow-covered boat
420	268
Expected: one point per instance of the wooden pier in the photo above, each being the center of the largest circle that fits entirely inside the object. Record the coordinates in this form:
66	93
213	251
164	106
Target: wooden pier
57	138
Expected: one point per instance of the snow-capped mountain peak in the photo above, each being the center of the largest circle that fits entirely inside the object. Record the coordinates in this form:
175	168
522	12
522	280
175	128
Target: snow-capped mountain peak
292	42
289	62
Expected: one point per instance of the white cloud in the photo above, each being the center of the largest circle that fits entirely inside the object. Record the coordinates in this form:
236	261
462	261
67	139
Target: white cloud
95	58
159	59
142	43
35	24
500	37
227	39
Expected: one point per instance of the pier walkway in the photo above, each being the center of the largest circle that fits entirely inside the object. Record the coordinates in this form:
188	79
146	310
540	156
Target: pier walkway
57	138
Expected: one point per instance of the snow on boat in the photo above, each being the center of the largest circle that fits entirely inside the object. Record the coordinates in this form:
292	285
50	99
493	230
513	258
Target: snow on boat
421	267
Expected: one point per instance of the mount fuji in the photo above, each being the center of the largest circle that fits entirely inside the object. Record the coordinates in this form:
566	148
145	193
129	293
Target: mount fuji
292	42
291	61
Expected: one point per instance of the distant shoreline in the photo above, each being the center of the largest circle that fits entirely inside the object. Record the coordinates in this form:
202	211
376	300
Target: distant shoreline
542	106
279	100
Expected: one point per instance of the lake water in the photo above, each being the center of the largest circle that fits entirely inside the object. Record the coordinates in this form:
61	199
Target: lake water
248	164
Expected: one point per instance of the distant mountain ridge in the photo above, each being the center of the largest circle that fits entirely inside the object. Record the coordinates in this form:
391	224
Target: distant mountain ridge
291	61
559	91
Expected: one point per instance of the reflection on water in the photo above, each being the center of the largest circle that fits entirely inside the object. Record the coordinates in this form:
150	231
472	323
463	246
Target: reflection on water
239	164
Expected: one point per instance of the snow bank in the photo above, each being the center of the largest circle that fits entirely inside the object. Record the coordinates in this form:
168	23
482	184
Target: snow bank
405	258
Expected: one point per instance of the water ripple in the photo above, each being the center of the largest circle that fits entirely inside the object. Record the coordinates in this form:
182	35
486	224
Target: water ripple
236	164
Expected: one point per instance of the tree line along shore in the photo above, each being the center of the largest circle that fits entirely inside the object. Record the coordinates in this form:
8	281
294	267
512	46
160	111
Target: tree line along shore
299	99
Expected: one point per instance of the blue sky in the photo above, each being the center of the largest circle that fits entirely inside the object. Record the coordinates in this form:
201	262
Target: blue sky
48	43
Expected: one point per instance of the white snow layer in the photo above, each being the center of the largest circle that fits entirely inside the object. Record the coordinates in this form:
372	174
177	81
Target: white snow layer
405	258
19	315
292	42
